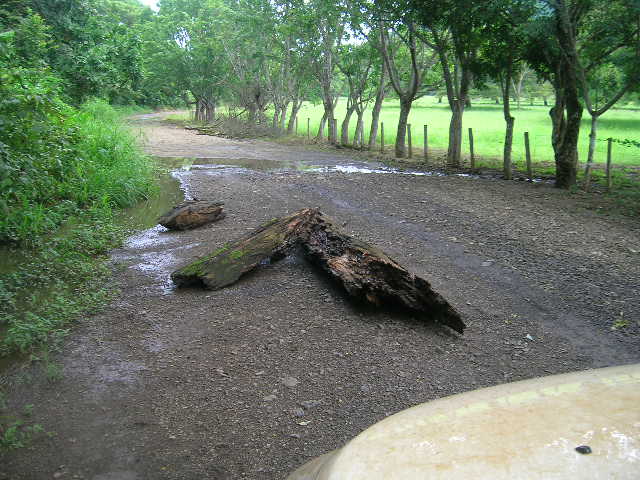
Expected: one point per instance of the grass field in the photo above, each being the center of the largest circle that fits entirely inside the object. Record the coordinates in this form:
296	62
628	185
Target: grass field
487	122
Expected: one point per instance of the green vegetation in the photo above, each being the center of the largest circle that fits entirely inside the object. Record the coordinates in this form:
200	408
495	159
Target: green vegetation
57	281
64	171
487	122
17	434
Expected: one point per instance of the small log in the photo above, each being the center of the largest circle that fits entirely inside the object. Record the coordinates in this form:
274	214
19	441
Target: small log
192	214
365	272
272	241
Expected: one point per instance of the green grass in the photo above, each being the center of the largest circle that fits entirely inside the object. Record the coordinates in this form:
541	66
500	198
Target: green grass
85	159
50	277
487	122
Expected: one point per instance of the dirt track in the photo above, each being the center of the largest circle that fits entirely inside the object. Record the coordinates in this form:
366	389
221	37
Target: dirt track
190	384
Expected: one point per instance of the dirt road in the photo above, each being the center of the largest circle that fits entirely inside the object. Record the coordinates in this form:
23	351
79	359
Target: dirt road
253	380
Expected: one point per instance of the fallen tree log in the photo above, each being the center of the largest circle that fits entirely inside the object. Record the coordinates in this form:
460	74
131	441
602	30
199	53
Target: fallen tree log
192	214
226	265
368	273
365	272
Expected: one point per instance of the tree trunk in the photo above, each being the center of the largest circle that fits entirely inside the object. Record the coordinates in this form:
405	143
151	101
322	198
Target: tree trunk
454	152
358	138
364	272
401	133
320	134
508	145
505	84
565	132
210	110
344	132
295	108
566	120
276	117
252	113
283	116
377	106
199	109
329	113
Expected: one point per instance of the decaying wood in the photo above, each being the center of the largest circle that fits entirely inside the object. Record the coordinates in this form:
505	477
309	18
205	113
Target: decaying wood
369	274
365	272
192	214
226	265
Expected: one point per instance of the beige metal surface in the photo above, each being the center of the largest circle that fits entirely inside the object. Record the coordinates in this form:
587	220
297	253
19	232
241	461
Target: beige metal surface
523	430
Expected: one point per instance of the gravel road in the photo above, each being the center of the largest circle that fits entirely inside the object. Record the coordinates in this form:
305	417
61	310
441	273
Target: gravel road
255	379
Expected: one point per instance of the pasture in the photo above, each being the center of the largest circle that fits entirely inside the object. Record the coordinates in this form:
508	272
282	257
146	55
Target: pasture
488	125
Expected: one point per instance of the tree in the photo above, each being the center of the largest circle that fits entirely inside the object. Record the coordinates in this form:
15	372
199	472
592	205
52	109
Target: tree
607	80
356	61
501	59
398	39
566	41
187	53
455	34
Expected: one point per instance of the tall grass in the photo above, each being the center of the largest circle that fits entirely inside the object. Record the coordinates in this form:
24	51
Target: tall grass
488	125
49	277
93	162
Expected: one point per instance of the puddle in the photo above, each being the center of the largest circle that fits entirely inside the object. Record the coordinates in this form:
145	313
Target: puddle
221	166
185	164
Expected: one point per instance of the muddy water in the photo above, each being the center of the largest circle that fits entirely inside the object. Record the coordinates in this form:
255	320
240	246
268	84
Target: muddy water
221	166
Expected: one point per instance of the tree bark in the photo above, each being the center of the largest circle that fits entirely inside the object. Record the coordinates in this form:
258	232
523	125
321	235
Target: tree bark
276	117
358	138
364	272
295	108
344	129
377	106
567	112
192	214
505	84
272	241
323	121
283	116
401	133
454	152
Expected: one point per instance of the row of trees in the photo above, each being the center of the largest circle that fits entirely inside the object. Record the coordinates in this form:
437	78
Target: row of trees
276	53
255	55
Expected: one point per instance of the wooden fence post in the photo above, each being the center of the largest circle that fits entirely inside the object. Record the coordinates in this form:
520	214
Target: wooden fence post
472	157
426	145
527	152
409	140
609	179
381	137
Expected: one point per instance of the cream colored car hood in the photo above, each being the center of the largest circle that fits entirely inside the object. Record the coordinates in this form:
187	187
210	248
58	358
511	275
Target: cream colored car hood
523	430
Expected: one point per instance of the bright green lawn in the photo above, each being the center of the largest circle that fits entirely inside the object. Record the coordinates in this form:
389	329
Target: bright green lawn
487	122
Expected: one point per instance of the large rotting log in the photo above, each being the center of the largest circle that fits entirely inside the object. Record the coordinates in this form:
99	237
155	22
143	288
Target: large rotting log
192	214
226	265
369	274
365	272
